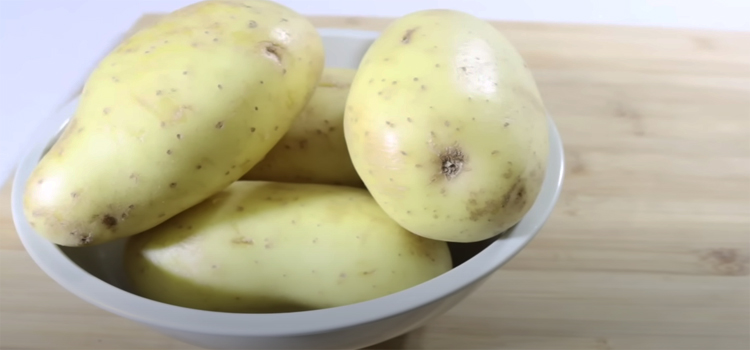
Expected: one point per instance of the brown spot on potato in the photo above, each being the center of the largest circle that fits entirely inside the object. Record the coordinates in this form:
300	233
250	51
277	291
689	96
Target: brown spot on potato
437	65
256	108
179	136
272	51
220	87
490	208
447	123
516	195
406	38
418	165
252	24
302	144
394	82
389	123
106	111
252	129
86	239
74	194
173	185
219	125
184	72
109	221
169	151
227	173
506	124
495	152
243	240
198	167
452	161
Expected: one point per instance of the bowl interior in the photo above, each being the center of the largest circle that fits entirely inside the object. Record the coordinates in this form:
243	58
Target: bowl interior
74	268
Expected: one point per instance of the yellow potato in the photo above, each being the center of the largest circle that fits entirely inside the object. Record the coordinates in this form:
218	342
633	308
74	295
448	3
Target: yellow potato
276	247
314	149
173	115
446	127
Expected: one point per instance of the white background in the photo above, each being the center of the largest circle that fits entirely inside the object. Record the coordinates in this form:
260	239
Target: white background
48	46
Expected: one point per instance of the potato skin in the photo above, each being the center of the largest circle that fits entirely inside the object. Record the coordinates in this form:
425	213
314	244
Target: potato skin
260	247
314	149
446	127
174	114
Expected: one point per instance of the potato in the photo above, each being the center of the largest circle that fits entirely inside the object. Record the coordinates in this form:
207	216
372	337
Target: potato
446	127
263	247
173	115
314	149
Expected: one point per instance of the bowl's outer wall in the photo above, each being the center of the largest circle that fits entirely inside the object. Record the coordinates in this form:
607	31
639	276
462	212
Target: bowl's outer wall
354	337
81	272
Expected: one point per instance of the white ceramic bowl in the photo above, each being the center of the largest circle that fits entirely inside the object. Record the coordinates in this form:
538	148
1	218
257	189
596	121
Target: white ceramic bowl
95	273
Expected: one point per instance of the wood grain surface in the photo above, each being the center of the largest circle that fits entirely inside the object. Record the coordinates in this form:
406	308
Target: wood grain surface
648	248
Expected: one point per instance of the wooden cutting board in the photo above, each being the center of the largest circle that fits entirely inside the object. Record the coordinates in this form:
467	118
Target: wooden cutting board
649	247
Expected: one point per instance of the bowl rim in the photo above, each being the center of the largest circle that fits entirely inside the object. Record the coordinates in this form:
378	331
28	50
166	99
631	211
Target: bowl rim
50	258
